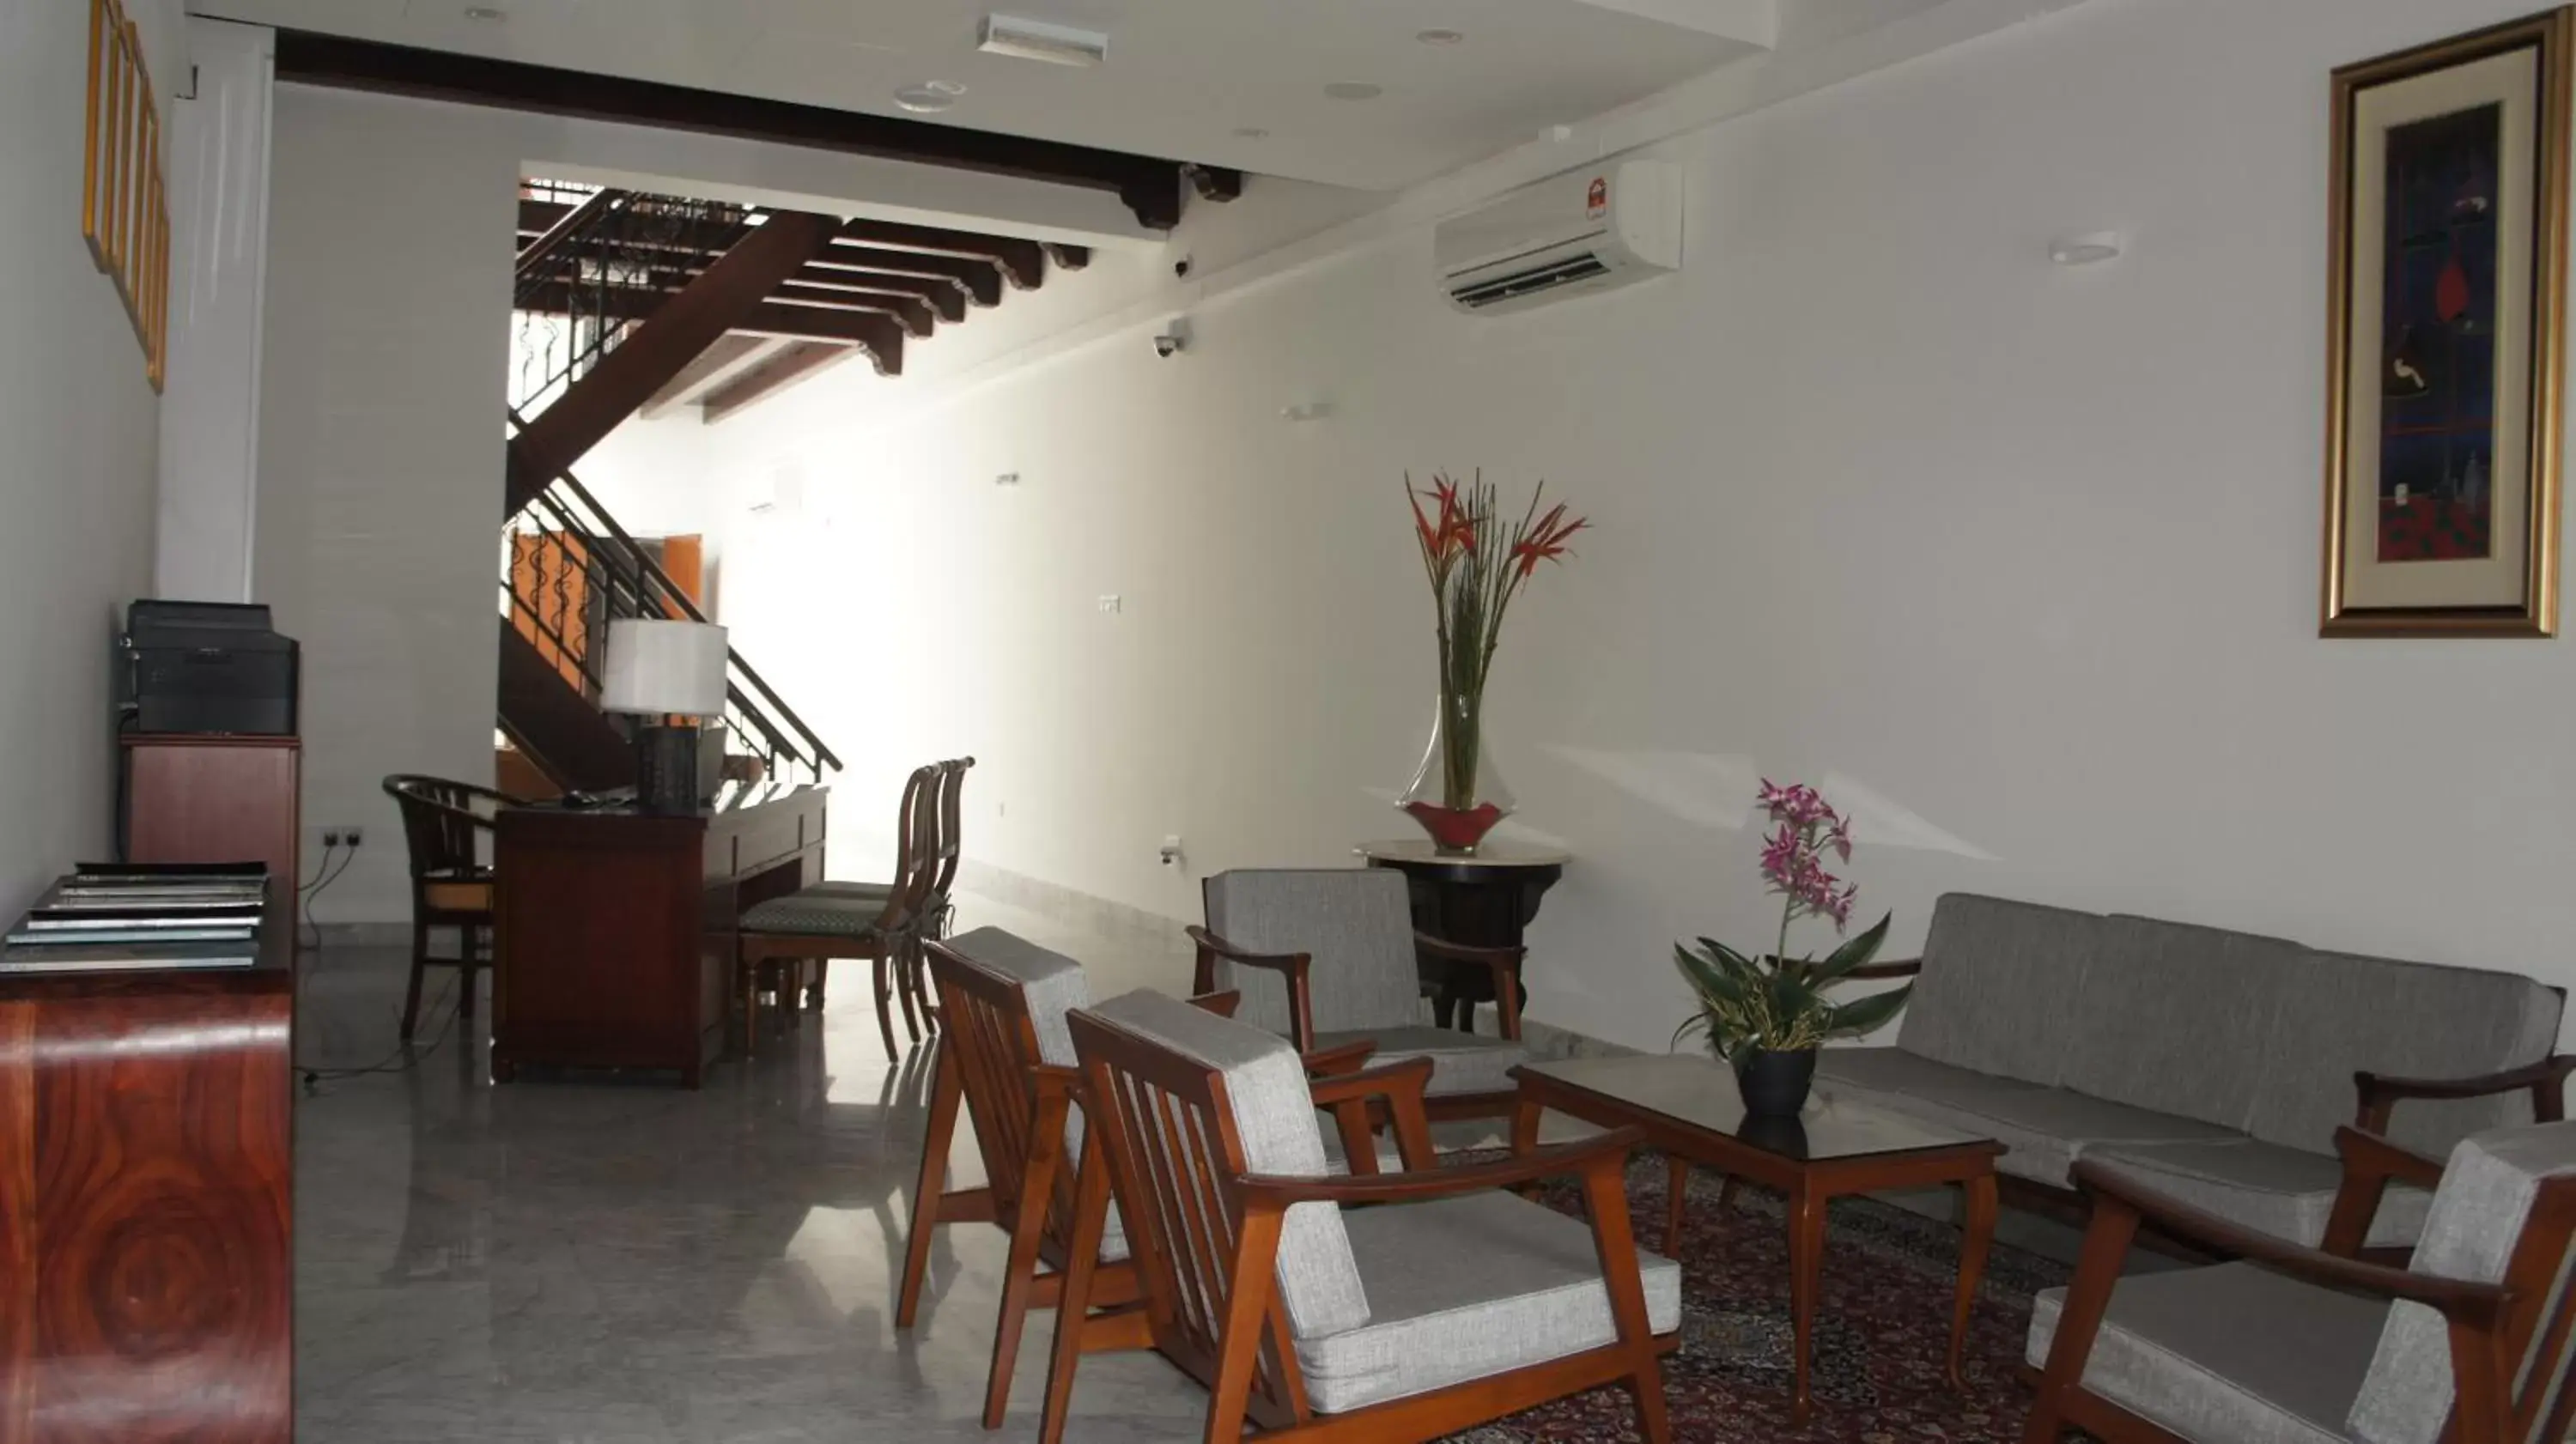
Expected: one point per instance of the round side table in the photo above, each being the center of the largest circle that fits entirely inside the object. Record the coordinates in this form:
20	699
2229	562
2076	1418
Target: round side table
1485	900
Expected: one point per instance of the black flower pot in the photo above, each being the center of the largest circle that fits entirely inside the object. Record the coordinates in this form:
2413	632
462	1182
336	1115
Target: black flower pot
1774	1085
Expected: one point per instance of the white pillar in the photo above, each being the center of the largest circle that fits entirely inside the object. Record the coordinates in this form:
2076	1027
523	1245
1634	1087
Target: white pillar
218	143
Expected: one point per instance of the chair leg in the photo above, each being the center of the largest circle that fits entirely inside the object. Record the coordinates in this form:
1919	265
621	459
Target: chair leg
1073	1305
885	1017
747	979
1677	1171
465	984
907	985
814	989
1726	1194
945	1091
1019	1280
419	964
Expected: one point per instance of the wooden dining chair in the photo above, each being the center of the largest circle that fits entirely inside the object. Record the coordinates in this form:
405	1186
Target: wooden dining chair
802	927
936	910
1454	1303
451	885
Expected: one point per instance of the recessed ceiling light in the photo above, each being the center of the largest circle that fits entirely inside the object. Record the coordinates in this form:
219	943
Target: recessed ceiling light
1354	90
1439	37
924	100
943	87
1250	132
485	12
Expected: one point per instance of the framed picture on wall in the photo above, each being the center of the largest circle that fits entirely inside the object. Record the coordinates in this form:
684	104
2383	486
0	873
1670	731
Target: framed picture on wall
2447	336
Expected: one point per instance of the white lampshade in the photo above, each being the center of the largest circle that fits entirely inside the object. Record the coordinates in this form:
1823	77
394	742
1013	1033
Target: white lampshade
665	668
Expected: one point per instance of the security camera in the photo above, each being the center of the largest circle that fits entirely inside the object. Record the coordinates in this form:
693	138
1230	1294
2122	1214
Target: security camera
1173	339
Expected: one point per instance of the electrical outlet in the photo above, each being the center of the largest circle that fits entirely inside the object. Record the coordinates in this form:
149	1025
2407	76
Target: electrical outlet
1170	854
330	837
1111	604
354	835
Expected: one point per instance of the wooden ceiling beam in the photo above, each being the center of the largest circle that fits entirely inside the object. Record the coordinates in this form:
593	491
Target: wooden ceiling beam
1071	258
1021	260
797	362
1151	187
915	313
981	279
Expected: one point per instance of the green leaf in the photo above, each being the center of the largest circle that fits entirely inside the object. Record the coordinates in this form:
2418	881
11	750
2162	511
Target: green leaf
1853	954
1745	968
1706	978
1863	1015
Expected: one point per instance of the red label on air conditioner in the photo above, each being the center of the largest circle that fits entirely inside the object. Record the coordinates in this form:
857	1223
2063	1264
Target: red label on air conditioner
1599	201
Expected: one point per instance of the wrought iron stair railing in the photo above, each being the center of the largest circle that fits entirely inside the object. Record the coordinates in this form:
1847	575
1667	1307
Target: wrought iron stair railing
568	568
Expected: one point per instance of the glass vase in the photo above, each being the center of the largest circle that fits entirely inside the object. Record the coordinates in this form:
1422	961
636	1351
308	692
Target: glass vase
1456	795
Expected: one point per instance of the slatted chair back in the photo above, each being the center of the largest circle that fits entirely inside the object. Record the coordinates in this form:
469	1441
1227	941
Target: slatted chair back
916	833
1186	1102
1004	1002
1355	924
2505	1212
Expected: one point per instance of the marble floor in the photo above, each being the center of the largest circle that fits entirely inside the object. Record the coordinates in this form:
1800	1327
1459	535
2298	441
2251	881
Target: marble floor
582	1258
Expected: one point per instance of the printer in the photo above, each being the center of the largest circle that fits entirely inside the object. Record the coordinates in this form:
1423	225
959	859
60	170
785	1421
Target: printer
205	667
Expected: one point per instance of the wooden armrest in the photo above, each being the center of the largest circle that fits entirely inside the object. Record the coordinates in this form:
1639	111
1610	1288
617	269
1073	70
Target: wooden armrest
2475	1304
1503	963
1342	1058
1901	968
2547	1072
1608	1150
1221	1004
1386	1082
1291	967
1052	1078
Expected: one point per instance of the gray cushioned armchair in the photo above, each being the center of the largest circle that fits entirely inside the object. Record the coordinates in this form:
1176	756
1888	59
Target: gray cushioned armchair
1325	957
1448	1303
2294	1345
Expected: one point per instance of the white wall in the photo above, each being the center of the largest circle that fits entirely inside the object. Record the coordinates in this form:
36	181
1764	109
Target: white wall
2019	563
80	426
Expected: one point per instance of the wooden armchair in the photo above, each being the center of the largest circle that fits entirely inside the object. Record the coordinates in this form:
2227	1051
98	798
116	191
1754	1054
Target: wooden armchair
451	886
1455	1303
1007	1057
2469	1346
1325	957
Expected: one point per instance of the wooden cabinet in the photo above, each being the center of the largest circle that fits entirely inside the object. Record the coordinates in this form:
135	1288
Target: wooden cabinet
147	1187
613	928
215	799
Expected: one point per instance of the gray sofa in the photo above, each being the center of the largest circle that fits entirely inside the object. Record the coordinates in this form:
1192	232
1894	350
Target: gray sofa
2213	1066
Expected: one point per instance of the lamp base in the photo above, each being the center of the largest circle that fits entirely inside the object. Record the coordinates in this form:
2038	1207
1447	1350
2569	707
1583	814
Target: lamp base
666	770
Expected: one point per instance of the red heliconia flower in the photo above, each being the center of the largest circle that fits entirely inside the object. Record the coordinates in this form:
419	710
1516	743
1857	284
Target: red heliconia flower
1546	541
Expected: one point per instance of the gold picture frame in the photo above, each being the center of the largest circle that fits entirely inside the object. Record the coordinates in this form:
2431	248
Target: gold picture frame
125	207
2447	336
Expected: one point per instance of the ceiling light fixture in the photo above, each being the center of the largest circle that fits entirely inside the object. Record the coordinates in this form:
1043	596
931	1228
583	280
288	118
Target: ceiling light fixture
1250	132
925	99
1354	90
1439	37
485	12
1025	39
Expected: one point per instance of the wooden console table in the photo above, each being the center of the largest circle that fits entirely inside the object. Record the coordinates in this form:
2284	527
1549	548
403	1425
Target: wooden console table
1485	900
614	929
147	1193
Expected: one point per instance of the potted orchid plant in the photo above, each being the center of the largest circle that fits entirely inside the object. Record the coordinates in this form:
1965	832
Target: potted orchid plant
1477	562
1766	1016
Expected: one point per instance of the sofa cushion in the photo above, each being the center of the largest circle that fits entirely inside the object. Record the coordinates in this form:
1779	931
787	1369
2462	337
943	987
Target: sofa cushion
2177	1018
2345	1014
1901	1070
2286	1192
2476	1222
1274	1117
2233	1352
1460	1062
1999	980
1355	924
1464	1288
2044	1129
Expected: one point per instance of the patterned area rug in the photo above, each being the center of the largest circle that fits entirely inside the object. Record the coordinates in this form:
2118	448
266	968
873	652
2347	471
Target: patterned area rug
1882	1329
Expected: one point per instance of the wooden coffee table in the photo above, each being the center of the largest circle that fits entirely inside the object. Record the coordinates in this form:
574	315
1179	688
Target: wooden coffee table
1688	1108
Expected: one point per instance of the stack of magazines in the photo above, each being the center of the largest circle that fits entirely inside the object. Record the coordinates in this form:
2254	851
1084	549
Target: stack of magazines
125	918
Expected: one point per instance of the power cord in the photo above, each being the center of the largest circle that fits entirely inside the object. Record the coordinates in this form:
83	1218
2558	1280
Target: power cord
402	1059
322	877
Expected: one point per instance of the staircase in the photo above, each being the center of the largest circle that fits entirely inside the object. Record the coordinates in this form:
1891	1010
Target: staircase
620	295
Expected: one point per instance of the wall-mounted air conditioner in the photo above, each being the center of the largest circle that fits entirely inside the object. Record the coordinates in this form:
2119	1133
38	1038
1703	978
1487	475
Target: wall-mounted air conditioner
1585	230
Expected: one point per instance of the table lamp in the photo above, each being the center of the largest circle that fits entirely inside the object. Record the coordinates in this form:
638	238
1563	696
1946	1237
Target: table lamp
659	670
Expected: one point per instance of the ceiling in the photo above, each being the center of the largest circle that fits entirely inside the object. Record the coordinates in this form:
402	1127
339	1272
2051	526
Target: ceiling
1185	79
